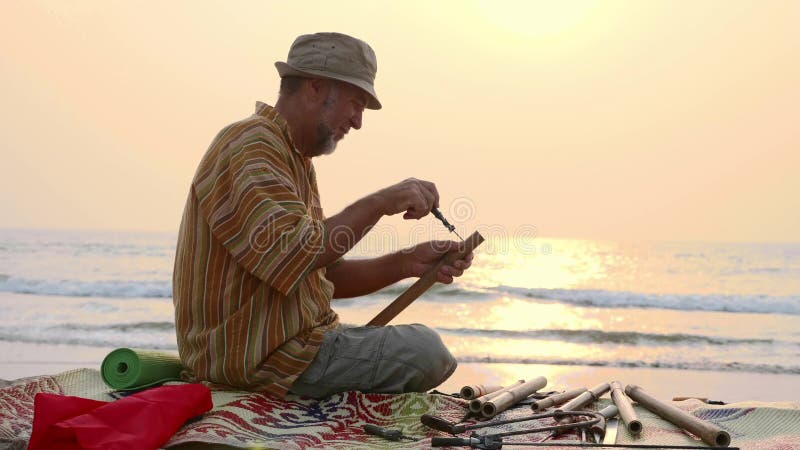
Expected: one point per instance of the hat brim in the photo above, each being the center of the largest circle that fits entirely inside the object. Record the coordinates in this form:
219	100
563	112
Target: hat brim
285	70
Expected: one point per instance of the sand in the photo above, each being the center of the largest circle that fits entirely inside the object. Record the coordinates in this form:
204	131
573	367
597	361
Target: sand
18	360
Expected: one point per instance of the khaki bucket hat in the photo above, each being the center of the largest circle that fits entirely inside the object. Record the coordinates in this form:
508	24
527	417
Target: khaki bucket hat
333	55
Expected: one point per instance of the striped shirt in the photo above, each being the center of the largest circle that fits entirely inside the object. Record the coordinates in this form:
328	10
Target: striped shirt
249	311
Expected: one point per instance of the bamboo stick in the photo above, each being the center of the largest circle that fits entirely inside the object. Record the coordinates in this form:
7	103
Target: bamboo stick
626	411
707	431
424	283
474	391
556	399
590	396
512	396
476	404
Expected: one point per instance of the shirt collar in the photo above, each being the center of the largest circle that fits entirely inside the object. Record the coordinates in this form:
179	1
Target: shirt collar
265	110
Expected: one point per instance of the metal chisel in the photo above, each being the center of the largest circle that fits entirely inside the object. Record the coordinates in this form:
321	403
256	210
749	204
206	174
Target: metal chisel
611	431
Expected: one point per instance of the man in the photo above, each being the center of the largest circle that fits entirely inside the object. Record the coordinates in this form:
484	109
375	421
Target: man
257	262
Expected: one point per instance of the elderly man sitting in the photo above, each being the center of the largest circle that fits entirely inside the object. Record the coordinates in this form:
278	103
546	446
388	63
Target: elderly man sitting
258	263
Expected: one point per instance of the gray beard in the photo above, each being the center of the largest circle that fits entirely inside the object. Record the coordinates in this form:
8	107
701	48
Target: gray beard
326	140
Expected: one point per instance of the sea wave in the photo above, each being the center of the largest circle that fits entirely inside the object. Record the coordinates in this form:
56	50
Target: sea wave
155	335
721	366
685	302
97	288
440	293
605	337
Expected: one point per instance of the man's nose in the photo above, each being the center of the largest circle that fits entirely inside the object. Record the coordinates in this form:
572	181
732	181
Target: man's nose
356	120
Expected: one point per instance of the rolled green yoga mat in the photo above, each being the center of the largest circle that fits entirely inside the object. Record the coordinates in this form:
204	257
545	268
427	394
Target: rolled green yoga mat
129	369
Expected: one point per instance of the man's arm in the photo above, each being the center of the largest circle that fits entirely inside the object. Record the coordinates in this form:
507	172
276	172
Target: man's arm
343	231
357	277
354	278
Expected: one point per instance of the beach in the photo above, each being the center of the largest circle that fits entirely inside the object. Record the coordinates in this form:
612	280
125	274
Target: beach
718	321
27	360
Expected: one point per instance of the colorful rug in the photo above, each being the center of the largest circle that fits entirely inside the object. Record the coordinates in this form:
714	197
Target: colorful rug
250	420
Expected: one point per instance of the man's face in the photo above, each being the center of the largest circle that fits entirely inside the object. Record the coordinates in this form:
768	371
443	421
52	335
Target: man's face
341	111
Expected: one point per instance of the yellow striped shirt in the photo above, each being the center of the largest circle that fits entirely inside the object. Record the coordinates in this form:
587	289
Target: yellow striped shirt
249	311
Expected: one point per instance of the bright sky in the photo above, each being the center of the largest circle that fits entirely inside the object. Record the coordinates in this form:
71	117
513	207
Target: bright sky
674	120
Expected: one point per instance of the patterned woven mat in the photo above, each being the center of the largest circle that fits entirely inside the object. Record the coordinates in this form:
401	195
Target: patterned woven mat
251	420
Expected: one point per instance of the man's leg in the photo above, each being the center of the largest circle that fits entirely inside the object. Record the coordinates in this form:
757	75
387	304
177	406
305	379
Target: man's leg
390	359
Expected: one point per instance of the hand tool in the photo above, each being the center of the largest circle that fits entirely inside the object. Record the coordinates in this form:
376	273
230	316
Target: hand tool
390	435
599	430
611	431
492	443
437	423
702	399
436	213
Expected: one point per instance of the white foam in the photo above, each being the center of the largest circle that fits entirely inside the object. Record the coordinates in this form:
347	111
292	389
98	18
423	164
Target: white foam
686	302
98	288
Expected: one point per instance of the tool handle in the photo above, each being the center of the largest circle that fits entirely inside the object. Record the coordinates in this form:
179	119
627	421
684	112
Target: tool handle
424	283
392	435
437	423
451	442
438	215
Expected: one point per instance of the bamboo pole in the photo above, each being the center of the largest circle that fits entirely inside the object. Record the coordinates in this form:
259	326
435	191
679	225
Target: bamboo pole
707	431
590	396
626	411
476	404
556	399
512	396
424	283
474	391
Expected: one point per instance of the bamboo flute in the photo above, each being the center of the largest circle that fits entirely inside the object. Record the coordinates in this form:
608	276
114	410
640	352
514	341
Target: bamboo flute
590	396
511	397
626	411
707	431
556	399
476	404
424	283
474	391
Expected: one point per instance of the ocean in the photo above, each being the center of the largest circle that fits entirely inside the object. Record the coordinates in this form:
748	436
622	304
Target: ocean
732	307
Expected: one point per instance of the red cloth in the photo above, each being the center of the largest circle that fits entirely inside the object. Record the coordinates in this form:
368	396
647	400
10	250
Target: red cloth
144	420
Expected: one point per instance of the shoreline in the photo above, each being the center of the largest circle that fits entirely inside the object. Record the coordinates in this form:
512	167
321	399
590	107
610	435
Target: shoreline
21	360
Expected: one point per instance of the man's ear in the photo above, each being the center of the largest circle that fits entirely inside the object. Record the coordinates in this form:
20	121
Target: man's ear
316	90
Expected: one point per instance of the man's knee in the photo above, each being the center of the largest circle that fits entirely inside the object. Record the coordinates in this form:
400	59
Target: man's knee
427	361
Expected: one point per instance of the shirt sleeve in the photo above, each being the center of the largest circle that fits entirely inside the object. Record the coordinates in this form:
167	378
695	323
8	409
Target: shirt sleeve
254	210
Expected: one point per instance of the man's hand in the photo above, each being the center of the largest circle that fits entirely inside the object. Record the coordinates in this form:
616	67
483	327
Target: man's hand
415	261
415	197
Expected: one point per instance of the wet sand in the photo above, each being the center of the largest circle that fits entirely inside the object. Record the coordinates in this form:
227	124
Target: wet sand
18	360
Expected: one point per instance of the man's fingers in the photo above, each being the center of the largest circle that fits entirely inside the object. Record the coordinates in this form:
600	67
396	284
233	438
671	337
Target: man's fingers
418	206
467	259
442	247
430	200
452	271
461	264
431	188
